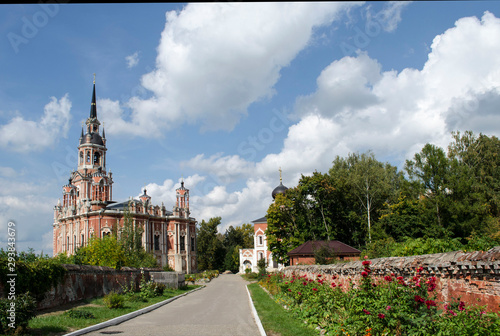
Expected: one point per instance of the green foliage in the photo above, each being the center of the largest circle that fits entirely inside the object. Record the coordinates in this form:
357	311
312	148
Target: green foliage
114	300
391	305
168	268
104	251
35	273
15	314
388	247
261	266
448	200
210	249
80	314
130	239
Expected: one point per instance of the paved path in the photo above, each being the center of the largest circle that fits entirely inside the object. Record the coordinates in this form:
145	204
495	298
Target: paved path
222	308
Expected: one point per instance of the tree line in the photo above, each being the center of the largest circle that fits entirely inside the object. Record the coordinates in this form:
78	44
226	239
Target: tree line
220	251
441	200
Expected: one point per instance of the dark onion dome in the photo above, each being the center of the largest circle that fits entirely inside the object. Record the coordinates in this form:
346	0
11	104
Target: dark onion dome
281	189
95	139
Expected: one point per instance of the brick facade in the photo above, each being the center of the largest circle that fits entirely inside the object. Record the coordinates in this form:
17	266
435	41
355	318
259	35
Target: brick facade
88	211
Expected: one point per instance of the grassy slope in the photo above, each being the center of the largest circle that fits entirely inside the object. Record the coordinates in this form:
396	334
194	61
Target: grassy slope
275	319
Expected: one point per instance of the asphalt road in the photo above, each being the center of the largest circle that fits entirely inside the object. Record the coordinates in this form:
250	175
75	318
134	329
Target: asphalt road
221	308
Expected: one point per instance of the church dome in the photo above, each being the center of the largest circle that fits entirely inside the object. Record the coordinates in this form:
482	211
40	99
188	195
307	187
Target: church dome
281	189
96	139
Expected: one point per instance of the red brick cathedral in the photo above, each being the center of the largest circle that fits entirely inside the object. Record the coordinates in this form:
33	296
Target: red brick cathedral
87	209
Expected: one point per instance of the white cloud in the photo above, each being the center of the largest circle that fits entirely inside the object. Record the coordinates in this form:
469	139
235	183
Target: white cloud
26	135
397	113
357	107
132	60
214	60
224	168
390	16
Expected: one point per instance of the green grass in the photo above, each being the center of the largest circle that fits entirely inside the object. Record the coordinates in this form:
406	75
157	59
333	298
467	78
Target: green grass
275	319
59	324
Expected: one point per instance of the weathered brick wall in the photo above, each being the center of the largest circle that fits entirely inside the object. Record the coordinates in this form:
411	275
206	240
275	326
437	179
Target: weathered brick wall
87	282
473	276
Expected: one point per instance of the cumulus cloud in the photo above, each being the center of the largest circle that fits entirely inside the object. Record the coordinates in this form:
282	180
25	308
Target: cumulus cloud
132	60
26	135
397	113
357	107
214	60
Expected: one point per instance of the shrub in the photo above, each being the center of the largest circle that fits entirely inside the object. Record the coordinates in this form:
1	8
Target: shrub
16	322
81	314
168	268
114	300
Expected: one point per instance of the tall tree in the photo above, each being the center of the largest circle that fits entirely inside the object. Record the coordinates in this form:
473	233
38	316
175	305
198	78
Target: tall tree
210	249
372	182
430	169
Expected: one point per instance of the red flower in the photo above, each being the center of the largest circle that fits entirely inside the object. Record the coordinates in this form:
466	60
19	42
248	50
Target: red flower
304	283
366	262
364	274
418	298
381	315
319	275
366	312
333	285
289	290
461	306
315	289
388	278
430	303
388	308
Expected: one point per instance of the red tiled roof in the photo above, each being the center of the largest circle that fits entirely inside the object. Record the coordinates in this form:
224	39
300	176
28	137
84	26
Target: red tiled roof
309	247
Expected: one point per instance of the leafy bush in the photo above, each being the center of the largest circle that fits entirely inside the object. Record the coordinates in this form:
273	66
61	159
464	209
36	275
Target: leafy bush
388	306
168	268
15	314
81	314
114	300
35	273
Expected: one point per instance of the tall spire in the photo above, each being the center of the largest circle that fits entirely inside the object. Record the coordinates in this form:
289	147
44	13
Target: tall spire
93	109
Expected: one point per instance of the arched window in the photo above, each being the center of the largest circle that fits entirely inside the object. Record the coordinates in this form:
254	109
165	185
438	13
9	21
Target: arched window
88	156
97	158
81	157
157	242
183	243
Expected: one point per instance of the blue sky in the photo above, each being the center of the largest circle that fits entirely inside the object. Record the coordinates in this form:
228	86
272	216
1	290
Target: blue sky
223	94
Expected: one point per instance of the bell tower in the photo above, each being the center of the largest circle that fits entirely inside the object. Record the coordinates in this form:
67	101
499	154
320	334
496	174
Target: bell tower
91	183
181	208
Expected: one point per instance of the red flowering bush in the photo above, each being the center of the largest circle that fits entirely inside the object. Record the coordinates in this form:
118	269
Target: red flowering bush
389	305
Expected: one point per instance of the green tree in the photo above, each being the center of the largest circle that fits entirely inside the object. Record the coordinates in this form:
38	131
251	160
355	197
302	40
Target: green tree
371	183
130	239
210	249
104	251
286	227
430	170
475	183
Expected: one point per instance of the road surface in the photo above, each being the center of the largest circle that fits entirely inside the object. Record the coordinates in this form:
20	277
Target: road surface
221	308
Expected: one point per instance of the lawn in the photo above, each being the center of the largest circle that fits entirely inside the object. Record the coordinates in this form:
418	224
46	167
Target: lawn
59	323
275	319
